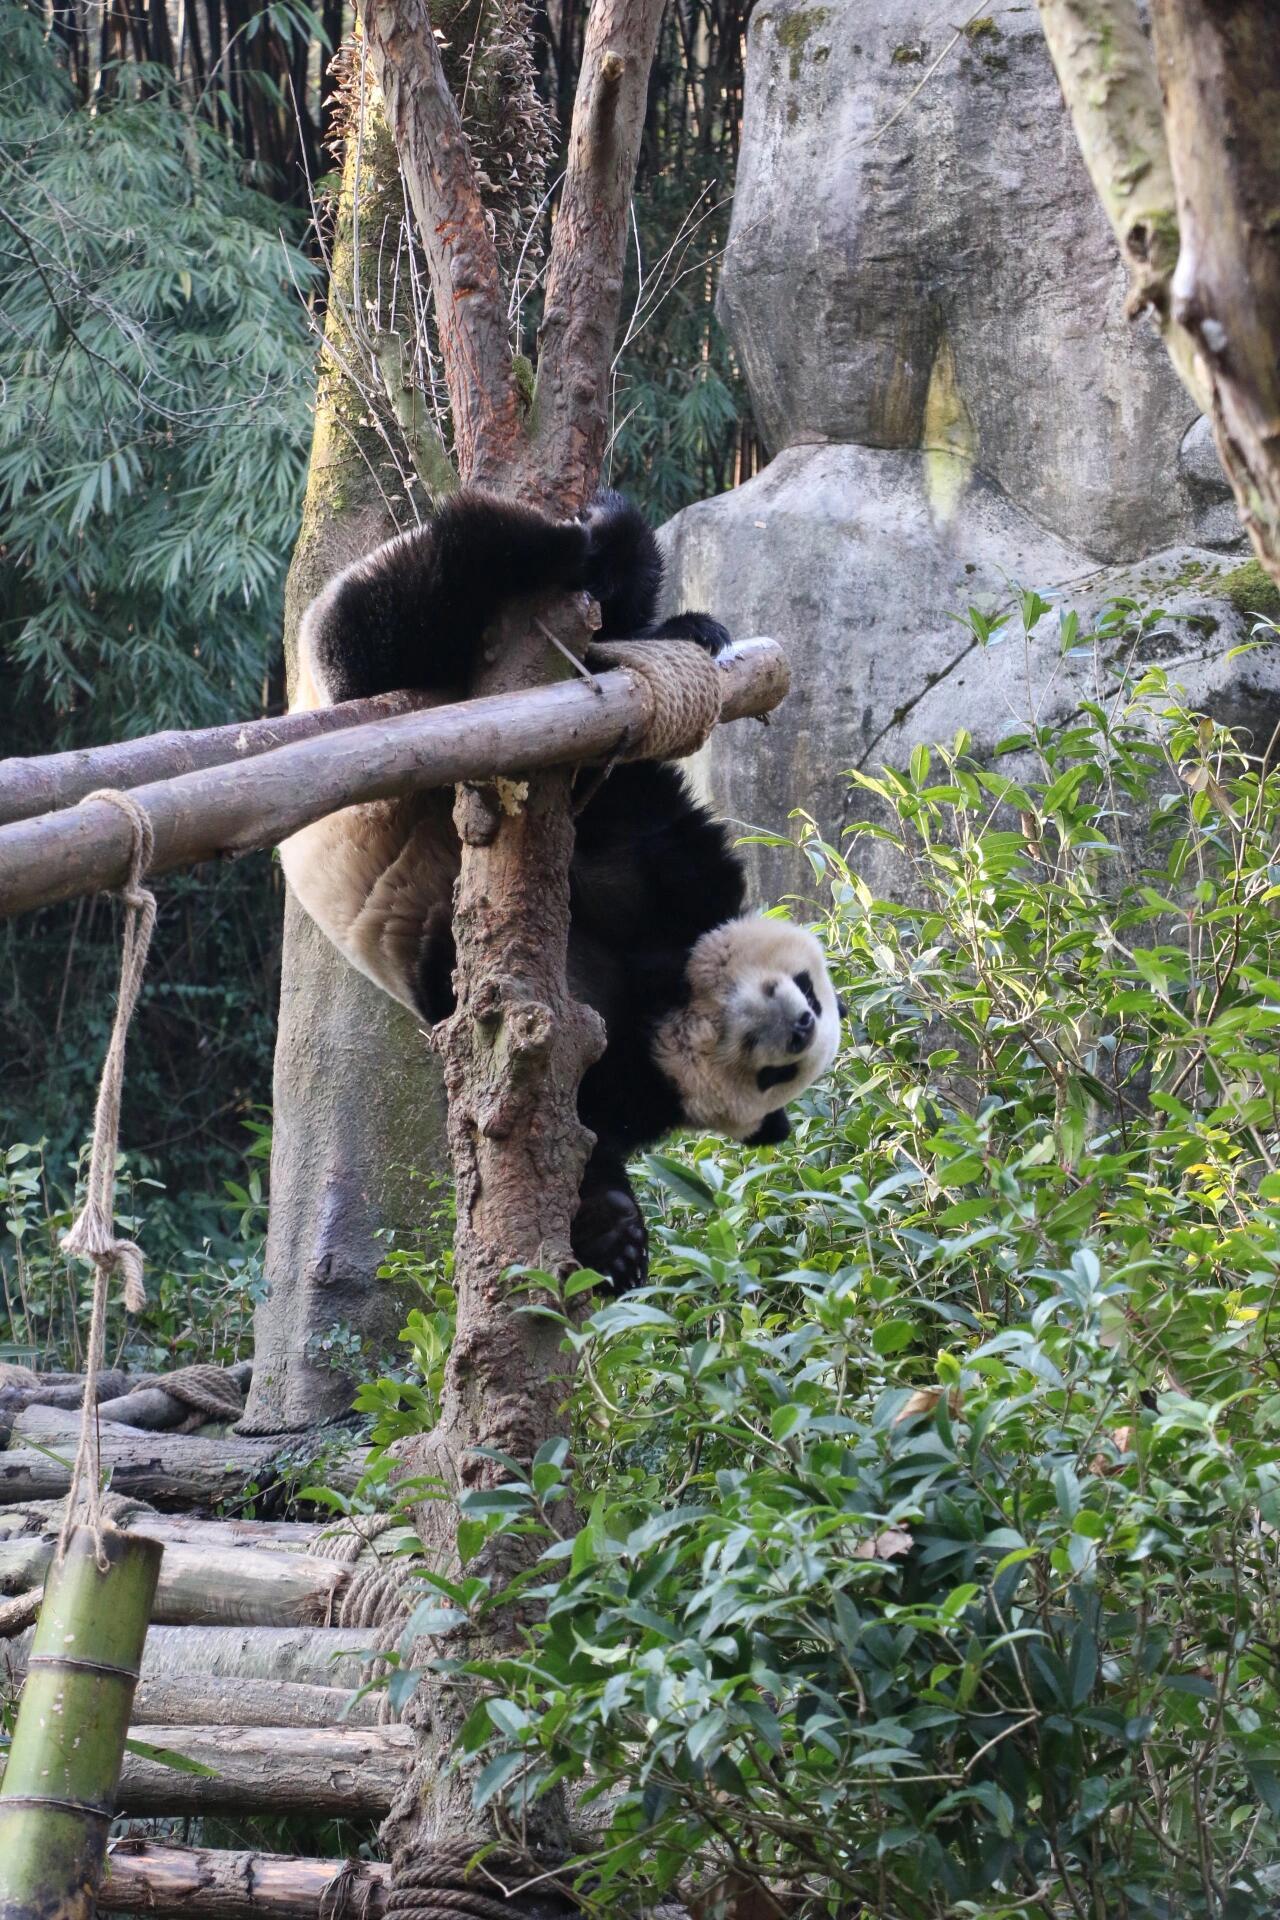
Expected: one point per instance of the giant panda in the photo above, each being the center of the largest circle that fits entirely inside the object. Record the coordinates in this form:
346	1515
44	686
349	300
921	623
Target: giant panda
714	1016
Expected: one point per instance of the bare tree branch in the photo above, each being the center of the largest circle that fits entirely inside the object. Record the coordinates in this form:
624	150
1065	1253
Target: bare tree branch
588	250
470	301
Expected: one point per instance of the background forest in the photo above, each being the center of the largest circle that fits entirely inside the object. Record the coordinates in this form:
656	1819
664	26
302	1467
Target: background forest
167	205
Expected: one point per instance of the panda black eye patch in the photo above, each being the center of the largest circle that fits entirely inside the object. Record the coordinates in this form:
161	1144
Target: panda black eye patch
775	1077
805	983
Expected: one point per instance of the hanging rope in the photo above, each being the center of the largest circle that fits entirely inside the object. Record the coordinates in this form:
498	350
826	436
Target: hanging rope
92	1234
684	683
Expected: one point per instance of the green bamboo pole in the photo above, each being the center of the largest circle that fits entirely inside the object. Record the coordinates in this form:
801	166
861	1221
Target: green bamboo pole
59	1787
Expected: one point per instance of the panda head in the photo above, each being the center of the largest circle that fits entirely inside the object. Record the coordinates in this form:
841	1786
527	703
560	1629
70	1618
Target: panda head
760	1024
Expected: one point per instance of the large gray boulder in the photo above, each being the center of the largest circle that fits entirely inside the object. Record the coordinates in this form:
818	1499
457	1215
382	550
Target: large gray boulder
928	307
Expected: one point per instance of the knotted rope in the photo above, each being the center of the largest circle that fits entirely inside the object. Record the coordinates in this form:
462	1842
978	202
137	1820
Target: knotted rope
684	683
92	1234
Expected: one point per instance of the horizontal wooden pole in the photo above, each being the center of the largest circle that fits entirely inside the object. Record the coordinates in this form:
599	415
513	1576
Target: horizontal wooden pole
272	1536
233	809
323	1656
314	1770
31	787
208	1586
206	1700
151	1877
170	1469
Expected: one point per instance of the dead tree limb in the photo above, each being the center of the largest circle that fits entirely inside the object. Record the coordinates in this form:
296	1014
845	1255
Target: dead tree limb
210	1586
309	1656
232	809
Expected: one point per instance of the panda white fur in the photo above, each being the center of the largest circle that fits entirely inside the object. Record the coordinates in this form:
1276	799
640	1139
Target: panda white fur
714	1017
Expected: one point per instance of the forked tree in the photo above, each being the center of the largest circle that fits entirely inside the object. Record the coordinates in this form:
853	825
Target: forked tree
516	1048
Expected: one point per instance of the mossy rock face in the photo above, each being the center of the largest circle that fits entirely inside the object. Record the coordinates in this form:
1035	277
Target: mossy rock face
873	223
1250	590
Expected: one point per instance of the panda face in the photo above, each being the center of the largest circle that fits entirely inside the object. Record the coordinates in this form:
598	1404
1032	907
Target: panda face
761	1024
772	1024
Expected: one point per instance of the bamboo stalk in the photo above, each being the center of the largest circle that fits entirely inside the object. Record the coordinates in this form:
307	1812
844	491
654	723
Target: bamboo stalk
56	780
234	809
60	1784
166	1881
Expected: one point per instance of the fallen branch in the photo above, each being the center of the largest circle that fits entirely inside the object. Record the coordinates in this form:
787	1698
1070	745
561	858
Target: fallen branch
233	809
144	1876
312	1770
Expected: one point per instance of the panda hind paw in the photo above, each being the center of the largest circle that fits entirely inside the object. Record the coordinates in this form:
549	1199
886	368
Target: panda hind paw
609	1234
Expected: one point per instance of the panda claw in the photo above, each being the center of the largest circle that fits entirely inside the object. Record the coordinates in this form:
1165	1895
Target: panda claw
609	1235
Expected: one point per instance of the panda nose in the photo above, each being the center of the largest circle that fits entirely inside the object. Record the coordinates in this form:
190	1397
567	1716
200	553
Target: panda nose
801	1028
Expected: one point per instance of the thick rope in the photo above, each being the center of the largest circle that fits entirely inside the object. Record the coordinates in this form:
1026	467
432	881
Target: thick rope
209	1391
684	683
432	1883
92	1234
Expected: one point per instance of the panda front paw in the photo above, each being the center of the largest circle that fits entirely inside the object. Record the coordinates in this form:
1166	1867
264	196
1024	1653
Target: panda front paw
609	1235
698	627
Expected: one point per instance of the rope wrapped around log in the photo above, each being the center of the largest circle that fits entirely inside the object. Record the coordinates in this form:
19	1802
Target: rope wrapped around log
209	1391
685	686
433	1883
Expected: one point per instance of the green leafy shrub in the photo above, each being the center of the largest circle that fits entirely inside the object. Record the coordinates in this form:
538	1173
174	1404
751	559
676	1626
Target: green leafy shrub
928	1564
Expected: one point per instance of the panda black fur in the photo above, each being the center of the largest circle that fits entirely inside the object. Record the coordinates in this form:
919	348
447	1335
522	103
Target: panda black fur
710	1014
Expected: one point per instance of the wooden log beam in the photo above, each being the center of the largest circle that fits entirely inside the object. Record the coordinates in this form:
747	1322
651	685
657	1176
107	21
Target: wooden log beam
234	809
147	1876
209	1586
31	787
328	1656
169	1469
207	1700
270	1536
312	1770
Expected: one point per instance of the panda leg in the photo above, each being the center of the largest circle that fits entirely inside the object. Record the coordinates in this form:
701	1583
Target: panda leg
608	1229
698	627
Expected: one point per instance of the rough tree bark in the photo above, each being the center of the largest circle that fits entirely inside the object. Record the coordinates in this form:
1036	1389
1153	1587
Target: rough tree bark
1219	64
358	1109
1185	157
518	1044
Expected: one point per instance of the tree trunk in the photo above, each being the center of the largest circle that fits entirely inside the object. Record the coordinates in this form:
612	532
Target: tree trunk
1183	149
208	1586
1219	63
357	1098
204	1700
